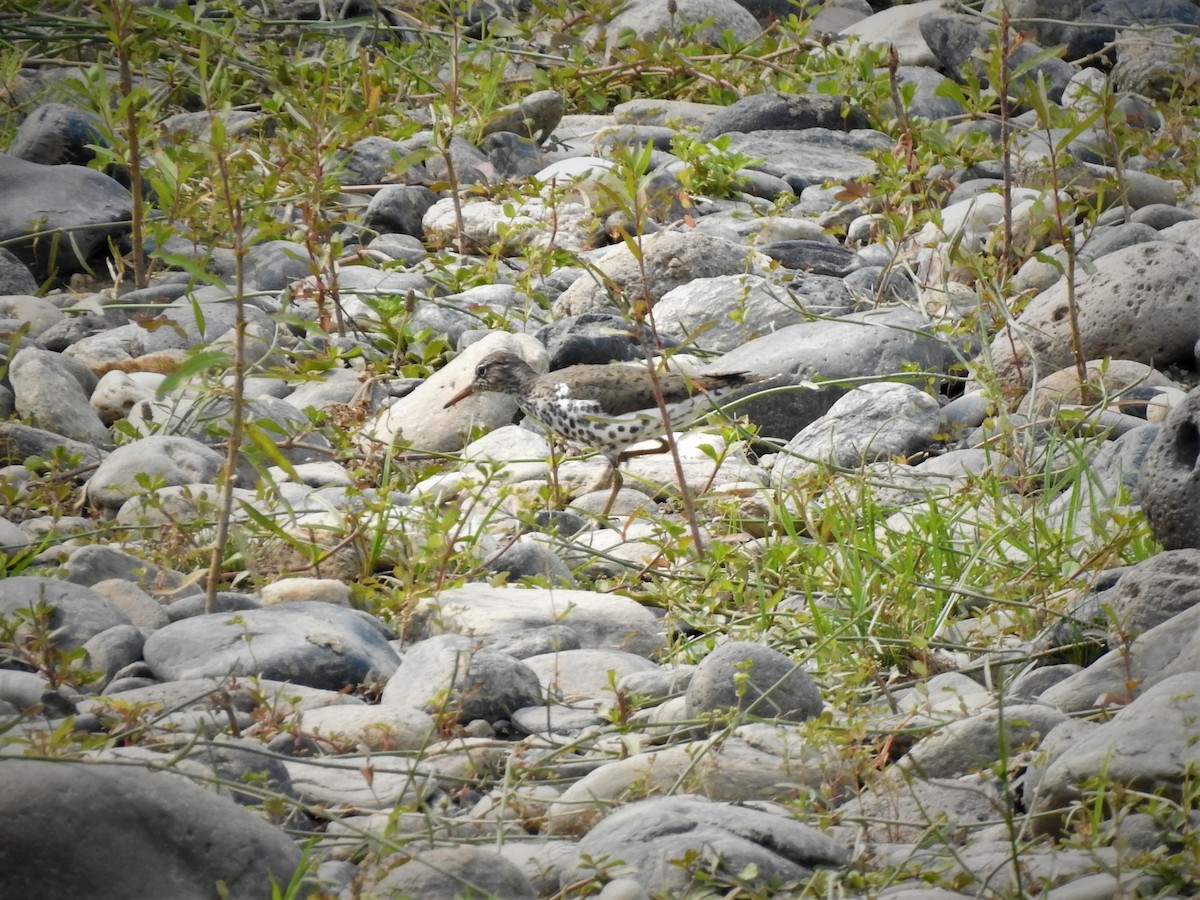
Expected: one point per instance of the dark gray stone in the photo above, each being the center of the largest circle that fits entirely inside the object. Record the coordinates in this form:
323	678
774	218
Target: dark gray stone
1161	215
1109	239
1097	25
227	601
161	459
1170	482
312	644
1032	684
1154	591
957	39
512	156
73	210
93	563
50	396
652	836
533	560
534	118
398	209
450	873
459	675
815	257
926	102
592	338
55	134
372	161
51	814
76	615
15	277
784	112
20	442
112	650
273	265
755	680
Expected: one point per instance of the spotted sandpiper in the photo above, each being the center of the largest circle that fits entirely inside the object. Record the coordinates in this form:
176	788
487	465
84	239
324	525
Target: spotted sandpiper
607	407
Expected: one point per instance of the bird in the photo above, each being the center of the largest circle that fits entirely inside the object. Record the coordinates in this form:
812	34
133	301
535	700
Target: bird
609	407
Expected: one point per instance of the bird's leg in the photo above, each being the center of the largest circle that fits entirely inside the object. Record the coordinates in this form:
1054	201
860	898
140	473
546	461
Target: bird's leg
617	482
663	446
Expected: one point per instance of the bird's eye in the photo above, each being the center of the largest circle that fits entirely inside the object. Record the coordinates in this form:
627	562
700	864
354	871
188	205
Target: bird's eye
481	370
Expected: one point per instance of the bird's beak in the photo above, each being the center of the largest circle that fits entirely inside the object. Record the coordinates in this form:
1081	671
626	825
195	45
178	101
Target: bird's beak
465	392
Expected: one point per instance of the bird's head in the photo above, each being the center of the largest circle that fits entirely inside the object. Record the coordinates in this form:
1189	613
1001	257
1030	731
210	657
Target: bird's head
501	372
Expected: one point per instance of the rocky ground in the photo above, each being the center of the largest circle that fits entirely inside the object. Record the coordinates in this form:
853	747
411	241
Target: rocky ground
467	683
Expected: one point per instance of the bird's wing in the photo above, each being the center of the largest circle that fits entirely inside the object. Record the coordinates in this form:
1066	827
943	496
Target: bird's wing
595	384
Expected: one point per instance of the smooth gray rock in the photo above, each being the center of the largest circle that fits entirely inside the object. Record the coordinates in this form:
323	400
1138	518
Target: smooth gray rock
669	259
163	460
814	155
783	112
877	421
373	161
533	641
76	614
1170	480
649	836
534	116
93	563
398	209
19	442
51	397
976	743
1151	742
273	265
756	681
598	619
875	342
51	813
957	40
533	560
1153	591
898	809
722	313
55	134
77	211
15	277
1165	650
456	674
312	644
36	312
449	873
648	19
110	651
1032	684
